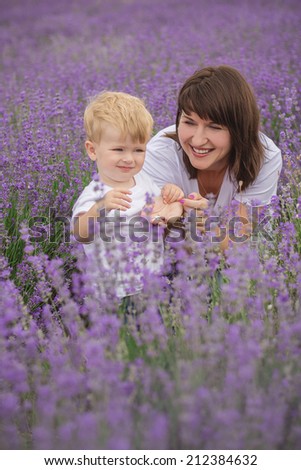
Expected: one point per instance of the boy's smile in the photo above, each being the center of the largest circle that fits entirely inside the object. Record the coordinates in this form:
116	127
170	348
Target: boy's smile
118	158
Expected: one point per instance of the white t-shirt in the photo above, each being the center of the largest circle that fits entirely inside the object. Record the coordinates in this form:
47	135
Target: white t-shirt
135	246
164	163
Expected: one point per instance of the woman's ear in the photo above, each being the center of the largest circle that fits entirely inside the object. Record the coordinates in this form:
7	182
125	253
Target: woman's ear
90	148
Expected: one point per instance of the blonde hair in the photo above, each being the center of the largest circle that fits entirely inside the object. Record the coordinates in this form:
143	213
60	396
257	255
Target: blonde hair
125	112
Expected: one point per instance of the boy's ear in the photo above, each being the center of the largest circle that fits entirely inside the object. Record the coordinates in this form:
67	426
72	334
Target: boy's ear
90	148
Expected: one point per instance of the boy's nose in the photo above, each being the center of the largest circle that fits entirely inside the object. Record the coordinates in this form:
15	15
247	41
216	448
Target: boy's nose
128	158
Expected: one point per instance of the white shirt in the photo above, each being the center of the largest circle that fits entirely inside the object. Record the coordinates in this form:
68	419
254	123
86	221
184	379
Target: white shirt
164	163
126	257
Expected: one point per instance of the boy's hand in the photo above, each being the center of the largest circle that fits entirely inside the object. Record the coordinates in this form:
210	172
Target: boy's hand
171	193
117	199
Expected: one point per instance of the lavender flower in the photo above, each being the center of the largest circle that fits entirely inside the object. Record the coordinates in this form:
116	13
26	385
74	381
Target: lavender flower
211	358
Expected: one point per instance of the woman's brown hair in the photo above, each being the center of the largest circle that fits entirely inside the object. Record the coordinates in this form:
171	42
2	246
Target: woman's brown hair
222	95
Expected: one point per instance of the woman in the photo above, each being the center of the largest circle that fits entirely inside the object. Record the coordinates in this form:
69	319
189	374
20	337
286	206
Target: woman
216	147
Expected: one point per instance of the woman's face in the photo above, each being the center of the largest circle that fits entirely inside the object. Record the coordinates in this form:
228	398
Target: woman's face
206	143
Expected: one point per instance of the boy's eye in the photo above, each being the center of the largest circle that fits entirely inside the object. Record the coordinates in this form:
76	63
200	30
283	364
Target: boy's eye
118	150
139	150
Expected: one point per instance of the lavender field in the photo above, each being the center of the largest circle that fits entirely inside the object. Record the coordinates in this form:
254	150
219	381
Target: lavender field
215	363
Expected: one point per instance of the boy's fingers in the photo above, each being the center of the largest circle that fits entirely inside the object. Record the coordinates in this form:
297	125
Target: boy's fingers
124	191
168	199
174	196
120	201
166	193
123	202
123	197
171	194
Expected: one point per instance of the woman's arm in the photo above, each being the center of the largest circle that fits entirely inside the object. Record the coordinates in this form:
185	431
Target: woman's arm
238	227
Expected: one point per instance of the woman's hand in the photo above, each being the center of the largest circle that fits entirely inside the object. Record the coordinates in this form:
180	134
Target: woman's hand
194	201
171	193
163	213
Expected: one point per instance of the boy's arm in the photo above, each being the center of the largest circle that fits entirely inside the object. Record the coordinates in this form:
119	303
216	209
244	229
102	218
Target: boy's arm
85	222
171	193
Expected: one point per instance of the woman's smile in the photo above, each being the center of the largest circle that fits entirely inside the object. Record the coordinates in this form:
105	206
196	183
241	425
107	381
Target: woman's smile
202	152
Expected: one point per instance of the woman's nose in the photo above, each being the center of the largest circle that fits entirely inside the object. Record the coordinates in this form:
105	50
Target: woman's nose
200	136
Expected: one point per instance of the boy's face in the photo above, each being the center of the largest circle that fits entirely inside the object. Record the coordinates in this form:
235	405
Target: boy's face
118	159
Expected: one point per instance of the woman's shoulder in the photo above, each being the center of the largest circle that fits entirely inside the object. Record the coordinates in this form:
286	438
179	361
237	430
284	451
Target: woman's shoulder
163	147
271	151
166	130
163	159
162	137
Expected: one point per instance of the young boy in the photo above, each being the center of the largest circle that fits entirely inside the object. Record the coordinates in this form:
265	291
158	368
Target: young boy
118	127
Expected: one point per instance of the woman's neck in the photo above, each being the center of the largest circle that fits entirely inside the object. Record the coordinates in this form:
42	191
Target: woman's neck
210	181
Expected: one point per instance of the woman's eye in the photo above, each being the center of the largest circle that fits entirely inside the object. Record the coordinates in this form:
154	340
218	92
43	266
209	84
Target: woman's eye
215	126
117	150
191	123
